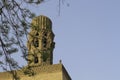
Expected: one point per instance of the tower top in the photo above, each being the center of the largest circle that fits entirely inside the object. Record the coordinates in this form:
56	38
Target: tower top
40	43
42	22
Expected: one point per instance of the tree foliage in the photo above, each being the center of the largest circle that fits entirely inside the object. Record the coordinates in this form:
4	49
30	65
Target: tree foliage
14	25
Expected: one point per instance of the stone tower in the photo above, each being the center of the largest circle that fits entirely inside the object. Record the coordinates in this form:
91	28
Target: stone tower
40	51
40	42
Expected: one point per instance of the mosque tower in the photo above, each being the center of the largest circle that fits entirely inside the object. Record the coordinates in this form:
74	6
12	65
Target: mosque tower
40	42
40	55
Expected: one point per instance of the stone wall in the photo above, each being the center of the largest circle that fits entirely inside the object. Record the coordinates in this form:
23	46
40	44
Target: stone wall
46	72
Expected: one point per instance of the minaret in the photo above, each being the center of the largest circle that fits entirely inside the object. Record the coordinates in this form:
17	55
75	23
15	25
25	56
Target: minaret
40	42
40	55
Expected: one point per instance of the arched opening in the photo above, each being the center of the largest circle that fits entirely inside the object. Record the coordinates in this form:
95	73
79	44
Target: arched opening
37	34
44	42
36	42
35	59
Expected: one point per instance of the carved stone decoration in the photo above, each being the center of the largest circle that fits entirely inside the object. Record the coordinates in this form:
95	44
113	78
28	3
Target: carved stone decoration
40	42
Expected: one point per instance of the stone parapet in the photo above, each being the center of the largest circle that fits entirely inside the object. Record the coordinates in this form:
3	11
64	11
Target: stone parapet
45	72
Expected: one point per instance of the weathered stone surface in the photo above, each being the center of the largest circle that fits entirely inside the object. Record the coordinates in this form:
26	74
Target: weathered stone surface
40	44
46	72
40	52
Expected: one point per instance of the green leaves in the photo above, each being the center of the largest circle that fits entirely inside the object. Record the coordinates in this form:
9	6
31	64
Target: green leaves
34	1
1	62
39	1
1	53
14	27
13	50
0	11
23	23
32	15
28	71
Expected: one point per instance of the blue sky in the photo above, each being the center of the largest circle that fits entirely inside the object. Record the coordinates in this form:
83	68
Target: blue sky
87	36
